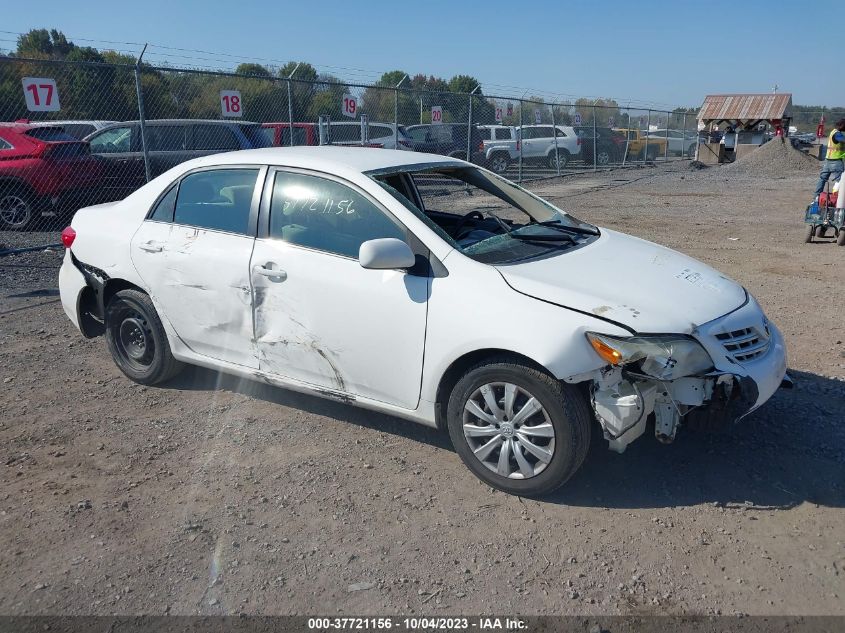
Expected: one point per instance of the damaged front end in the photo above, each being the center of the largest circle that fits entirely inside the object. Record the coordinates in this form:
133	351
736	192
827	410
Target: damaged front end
672	377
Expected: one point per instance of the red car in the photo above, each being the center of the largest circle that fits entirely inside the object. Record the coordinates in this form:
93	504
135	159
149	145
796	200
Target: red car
43	170
303	133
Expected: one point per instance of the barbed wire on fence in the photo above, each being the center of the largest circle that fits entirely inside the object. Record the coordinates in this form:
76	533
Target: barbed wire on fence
94	132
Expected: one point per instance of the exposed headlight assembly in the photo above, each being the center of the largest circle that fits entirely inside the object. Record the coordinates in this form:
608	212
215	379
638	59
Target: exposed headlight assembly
662	357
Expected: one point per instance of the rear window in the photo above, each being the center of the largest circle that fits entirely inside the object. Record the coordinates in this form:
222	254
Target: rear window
256	135
50	134
215	137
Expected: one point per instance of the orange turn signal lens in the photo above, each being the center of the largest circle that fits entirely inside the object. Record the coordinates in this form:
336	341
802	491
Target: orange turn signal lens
605	351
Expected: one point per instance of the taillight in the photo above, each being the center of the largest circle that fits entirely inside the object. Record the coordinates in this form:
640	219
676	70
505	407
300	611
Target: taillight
68	235
518	145
481	146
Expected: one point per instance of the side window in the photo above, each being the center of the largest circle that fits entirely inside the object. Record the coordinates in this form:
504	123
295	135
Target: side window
560	133
166	138
380	131
215	137
484	133
325	215
5	144
114	141
164	209
504	134
217	199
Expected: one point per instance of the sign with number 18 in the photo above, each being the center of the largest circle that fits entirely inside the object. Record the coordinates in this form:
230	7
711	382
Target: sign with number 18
231	104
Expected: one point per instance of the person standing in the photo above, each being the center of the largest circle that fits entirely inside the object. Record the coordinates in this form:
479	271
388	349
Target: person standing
834	162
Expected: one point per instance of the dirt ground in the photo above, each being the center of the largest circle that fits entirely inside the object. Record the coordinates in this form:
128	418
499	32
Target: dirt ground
213	495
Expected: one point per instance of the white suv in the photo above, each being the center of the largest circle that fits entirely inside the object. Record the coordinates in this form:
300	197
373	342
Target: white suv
538	145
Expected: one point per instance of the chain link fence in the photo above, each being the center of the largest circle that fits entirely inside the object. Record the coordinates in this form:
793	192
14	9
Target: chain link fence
80	133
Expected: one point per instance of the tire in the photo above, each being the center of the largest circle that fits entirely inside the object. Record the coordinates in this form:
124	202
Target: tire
820	231
808	237
559	161
564	413
652	154
603	157
499	162
136	339
840	239
17	208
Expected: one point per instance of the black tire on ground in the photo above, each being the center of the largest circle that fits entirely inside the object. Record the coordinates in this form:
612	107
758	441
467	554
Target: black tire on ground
18	210
137	340
499	162
562	158
567	408
808	237
821	231
840	239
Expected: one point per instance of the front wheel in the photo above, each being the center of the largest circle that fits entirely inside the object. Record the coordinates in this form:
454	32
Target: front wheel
136	339
840	239
559	160
808	236
517	428
17	210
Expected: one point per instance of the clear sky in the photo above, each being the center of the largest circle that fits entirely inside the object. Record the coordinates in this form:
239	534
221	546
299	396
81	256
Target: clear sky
668	53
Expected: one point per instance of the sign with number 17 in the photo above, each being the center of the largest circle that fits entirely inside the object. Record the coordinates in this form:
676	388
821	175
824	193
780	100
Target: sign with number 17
231	104
41	94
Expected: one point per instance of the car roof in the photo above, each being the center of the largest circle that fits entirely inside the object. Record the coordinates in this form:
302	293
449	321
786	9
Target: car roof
154	122
327	158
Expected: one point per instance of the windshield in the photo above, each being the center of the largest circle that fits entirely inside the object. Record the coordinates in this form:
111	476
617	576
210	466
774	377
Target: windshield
486	217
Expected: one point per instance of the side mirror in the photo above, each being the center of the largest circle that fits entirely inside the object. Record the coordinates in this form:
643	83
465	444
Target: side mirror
385	253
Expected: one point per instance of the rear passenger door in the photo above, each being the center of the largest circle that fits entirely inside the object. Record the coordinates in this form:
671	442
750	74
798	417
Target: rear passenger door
193	253
168	146
208	138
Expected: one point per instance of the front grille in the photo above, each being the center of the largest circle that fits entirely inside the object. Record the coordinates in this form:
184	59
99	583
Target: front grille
745	344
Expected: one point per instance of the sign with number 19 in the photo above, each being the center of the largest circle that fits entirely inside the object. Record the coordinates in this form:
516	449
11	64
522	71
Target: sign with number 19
231	104
349	106
41	94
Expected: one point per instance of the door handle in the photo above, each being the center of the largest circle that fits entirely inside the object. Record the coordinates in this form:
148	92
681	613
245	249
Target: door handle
151	247
281	275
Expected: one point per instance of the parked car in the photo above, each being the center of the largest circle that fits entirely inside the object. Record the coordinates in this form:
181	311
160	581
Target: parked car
169	142
641	146
303	134
355	275
446	139
77	129
680	142
43	171
381	135
539	145
501	146
609	145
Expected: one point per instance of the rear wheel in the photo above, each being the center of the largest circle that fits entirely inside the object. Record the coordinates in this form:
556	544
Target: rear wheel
820	231
136	339
17	209
499	163
517	428
603	157
840	239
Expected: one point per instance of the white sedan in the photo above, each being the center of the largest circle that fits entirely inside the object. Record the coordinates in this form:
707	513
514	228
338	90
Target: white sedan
423	287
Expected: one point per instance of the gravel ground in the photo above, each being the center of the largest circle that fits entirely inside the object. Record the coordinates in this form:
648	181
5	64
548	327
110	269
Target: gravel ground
215	495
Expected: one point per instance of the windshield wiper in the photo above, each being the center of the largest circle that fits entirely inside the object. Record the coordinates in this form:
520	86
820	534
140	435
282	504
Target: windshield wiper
557	224
560	237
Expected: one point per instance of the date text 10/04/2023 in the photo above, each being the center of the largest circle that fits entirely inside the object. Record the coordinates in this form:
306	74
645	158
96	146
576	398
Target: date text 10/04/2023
417	624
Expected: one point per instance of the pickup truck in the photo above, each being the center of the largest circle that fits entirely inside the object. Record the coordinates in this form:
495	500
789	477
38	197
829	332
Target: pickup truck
640	145
501	146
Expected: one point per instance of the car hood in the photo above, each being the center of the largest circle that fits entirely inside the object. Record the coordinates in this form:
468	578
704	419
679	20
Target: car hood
647	287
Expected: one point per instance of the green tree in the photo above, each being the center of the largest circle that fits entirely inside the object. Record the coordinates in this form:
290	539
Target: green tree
252	69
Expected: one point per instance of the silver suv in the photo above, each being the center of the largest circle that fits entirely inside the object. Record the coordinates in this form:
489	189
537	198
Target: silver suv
501	146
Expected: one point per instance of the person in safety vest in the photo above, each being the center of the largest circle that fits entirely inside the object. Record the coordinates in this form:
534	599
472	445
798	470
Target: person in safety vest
834	162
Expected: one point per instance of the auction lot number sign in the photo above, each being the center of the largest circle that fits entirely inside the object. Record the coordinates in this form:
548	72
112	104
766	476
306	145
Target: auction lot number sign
349	106
231	104
41	94
437	114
